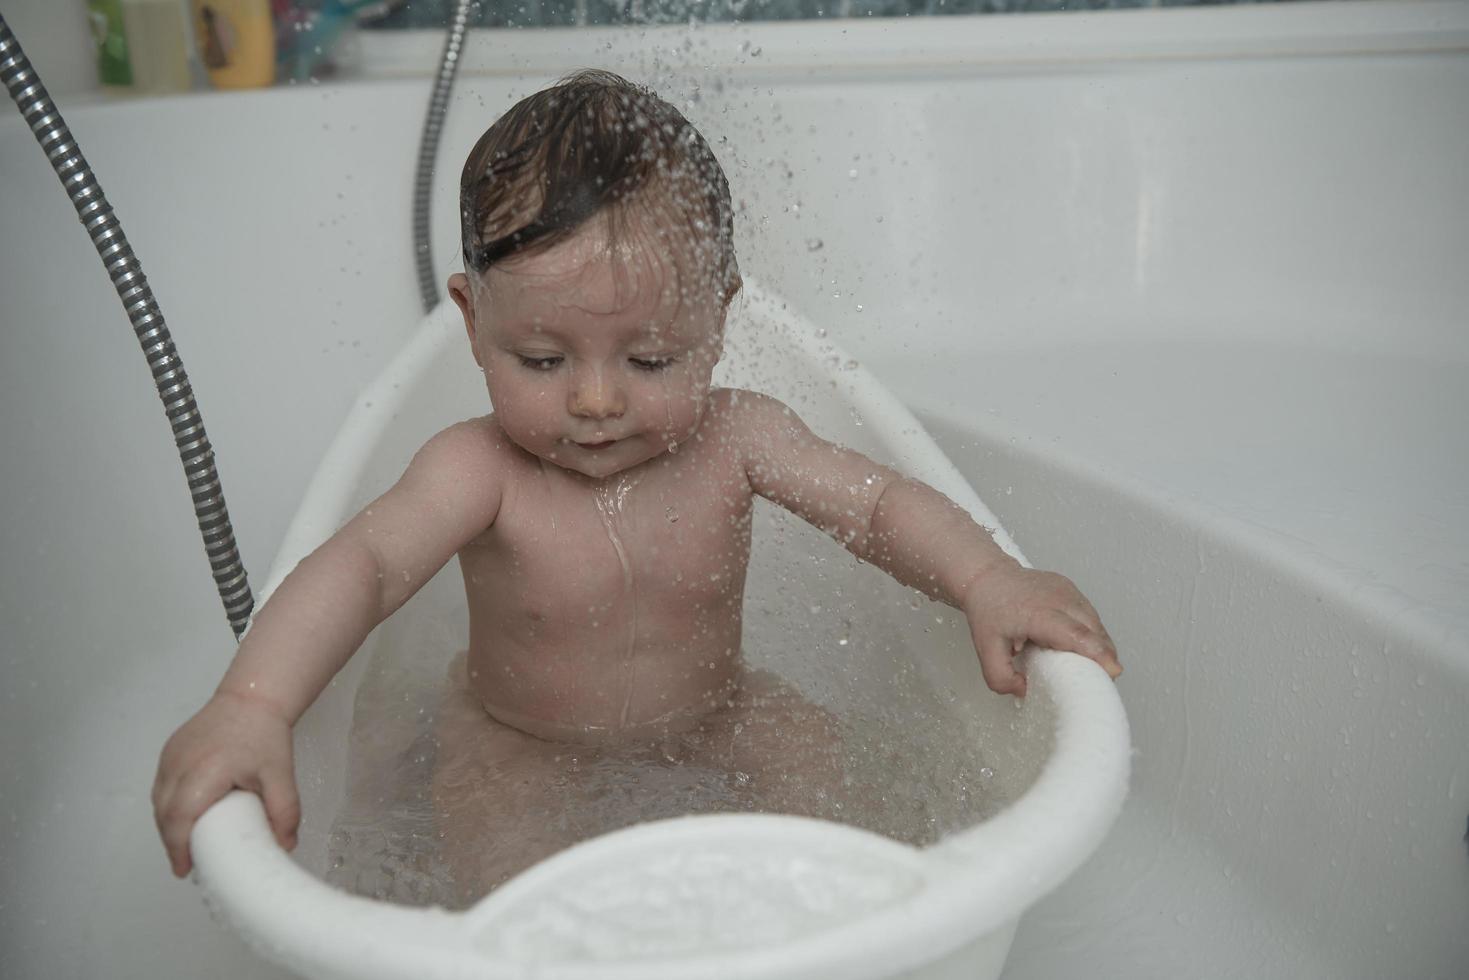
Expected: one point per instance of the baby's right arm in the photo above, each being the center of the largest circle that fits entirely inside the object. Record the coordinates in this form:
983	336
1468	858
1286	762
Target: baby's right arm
312	625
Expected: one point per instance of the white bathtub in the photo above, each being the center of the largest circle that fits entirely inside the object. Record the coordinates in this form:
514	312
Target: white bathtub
1126	265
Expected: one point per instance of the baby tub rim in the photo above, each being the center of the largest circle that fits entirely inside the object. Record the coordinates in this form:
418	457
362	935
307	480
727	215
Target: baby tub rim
1008	862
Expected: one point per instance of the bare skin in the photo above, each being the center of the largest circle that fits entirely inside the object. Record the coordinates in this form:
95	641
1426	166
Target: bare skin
601	517
505	799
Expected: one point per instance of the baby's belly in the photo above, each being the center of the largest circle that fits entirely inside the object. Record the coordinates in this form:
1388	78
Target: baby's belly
594	691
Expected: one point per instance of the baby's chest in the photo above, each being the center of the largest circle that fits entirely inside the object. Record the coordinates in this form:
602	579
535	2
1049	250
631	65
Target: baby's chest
668	541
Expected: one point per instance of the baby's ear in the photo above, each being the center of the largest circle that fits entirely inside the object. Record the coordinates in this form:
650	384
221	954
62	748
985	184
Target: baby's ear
459	291
716	343
732	290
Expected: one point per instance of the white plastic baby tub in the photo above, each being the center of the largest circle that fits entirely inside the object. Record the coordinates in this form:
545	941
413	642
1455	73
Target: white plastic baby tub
713	896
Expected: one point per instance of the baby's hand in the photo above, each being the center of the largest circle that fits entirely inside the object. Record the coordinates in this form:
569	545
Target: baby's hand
233	742
1011	605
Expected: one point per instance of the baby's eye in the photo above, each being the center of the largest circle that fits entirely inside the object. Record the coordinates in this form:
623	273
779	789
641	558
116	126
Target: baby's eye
651	363
539	363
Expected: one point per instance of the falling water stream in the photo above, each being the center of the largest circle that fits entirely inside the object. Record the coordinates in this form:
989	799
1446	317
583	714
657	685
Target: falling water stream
610	497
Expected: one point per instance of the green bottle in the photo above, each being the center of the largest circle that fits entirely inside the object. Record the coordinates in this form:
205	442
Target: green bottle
113	66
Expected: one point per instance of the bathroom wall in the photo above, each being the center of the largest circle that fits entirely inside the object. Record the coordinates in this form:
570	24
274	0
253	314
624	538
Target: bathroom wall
56	38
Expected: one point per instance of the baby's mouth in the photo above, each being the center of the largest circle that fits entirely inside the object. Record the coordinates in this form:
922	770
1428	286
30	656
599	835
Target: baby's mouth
595	446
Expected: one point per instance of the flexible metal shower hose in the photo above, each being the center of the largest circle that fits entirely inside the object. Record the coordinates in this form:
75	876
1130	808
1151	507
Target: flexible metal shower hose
428	149
96	214
137	299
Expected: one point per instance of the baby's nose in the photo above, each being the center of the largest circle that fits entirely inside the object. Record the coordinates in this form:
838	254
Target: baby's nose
595	396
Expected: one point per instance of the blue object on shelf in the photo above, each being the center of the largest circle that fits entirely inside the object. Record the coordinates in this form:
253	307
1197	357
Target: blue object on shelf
308	35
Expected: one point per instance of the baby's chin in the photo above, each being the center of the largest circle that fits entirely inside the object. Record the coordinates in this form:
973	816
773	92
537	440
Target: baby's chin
599	464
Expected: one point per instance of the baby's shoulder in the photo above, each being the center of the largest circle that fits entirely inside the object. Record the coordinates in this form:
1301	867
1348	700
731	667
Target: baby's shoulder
750	414
474	448
472	437
743	406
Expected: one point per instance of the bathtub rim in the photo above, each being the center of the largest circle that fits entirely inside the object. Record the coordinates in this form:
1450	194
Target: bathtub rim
1009	861
1420	624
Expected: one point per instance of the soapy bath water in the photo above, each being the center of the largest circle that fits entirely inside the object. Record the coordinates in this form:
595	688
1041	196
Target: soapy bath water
908	772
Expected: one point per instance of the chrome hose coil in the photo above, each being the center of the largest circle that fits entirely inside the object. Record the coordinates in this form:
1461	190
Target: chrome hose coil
428	150
132	288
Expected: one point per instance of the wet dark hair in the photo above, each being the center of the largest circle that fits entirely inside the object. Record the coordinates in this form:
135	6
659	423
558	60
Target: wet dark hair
592	143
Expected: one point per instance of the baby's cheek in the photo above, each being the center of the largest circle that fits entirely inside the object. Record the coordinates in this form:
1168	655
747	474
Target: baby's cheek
519	389
523	409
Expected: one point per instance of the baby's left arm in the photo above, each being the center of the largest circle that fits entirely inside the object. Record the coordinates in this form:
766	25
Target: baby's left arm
921	538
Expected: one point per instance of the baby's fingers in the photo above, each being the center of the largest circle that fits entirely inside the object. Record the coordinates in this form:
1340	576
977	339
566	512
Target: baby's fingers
178	813
282	804
1057	630
997	663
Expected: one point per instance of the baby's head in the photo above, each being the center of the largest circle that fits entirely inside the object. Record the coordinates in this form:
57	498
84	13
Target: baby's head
599	264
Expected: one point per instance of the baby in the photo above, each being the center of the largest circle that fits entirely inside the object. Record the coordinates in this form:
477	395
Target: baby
597	234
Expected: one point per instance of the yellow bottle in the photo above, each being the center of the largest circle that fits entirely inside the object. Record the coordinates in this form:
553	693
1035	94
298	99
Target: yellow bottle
236	42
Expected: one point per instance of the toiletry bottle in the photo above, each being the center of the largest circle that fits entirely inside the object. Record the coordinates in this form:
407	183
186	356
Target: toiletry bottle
236	42
158	44
113	66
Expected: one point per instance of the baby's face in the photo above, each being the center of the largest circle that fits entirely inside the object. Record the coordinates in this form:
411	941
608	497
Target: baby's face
597	359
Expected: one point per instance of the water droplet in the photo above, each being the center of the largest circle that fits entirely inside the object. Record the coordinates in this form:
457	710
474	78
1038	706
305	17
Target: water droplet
986	773
814	244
